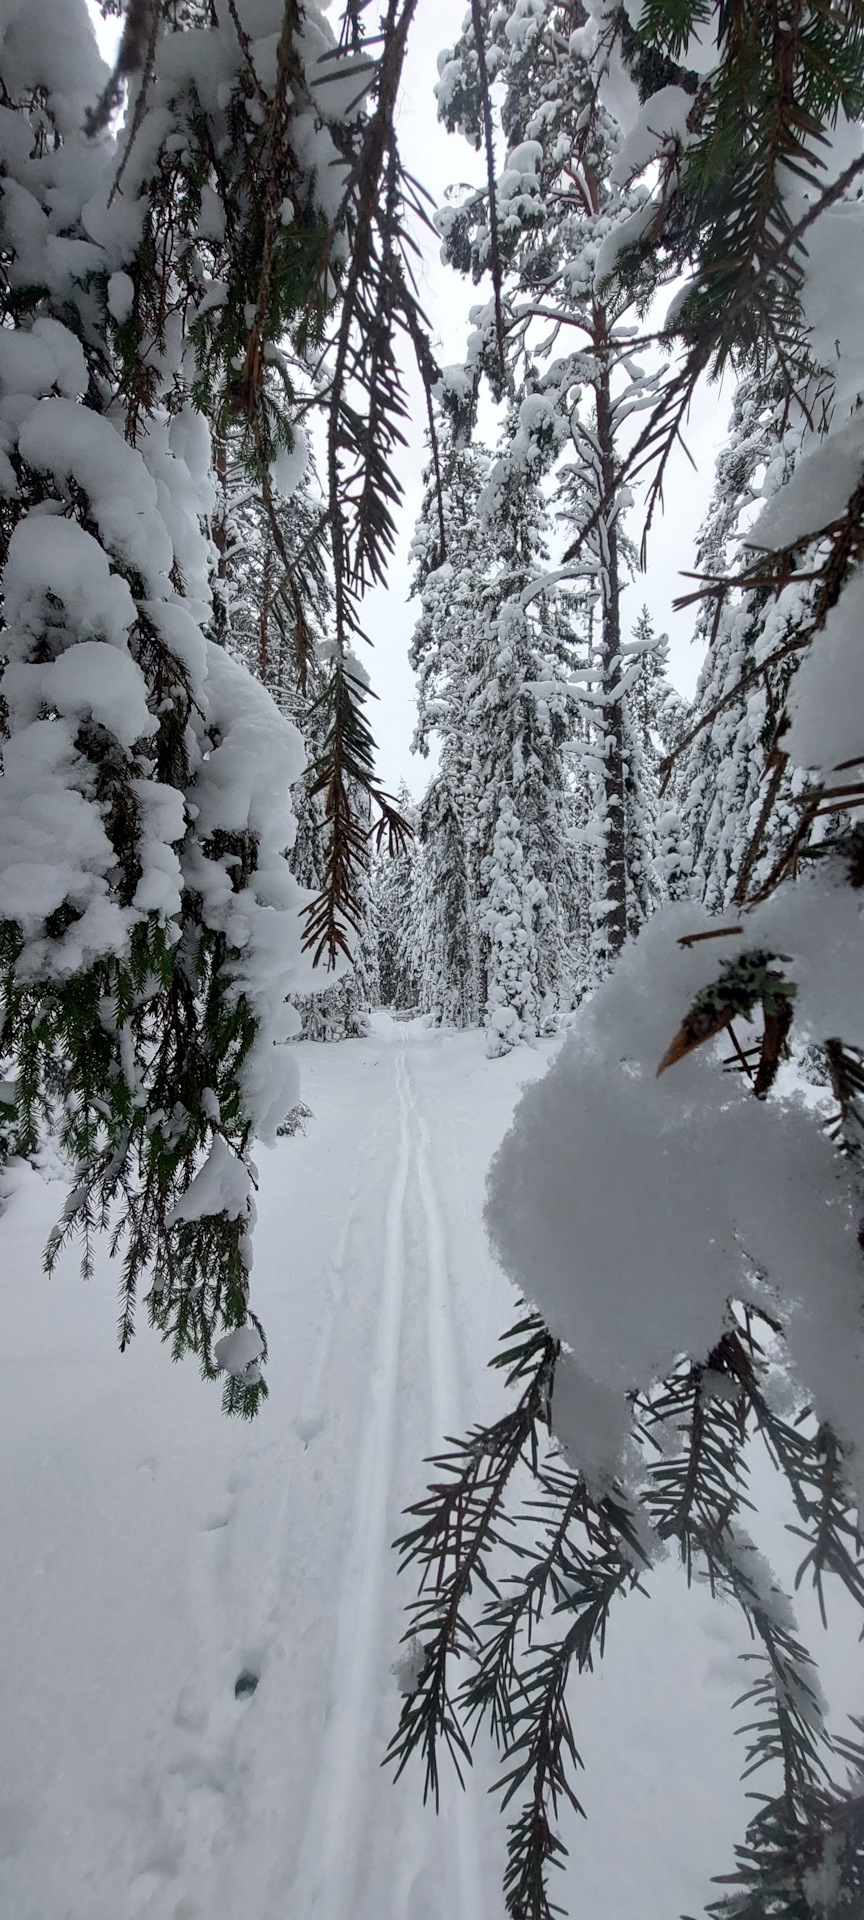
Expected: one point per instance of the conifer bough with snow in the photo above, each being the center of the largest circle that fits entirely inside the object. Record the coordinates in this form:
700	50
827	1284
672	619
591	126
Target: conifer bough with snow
179	294
707	1293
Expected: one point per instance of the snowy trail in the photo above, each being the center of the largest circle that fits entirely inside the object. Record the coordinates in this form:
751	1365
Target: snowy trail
447	1421
155	1551
327	1866
332	1840
212	1785
437	1869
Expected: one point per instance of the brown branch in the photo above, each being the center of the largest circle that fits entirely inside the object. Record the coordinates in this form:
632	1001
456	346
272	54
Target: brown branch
154	9
712	933
780	763
747	680
489	143
275	167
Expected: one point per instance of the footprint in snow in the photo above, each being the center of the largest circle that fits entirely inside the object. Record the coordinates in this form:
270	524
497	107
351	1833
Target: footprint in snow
245	1683
307	1428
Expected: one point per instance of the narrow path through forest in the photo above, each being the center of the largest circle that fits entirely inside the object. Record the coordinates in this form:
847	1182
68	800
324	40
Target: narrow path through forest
155	1553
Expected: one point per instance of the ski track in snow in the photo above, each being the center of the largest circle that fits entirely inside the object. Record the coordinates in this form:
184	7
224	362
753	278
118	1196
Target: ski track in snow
203	1788
327	1866
446	1422
155	1551
209	1788
347	1770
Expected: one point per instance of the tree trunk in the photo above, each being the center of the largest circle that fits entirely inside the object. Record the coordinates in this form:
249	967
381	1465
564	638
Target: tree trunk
615	922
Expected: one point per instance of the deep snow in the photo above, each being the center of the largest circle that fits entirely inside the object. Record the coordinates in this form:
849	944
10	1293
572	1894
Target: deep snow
154	1552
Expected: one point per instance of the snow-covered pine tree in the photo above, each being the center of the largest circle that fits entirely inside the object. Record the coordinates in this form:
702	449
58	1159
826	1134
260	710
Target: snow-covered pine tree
399	959
719	1301
734	759
452	560
561	211
174	279
655	717
518	716
445	911
150	920
492	687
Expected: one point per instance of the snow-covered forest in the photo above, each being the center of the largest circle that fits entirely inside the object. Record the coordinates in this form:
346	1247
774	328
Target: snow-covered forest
553	1059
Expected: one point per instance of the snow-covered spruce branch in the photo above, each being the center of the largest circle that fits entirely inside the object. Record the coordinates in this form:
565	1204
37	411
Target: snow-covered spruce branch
459	1528
551	1597
167	298
804	1857
721	211
731	1212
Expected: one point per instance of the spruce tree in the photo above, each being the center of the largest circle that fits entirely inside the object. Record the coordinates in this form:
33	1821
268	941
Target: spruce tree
494	688
452	559
399	959
553	227
518	716
655	719
646	1361
168	294
446	918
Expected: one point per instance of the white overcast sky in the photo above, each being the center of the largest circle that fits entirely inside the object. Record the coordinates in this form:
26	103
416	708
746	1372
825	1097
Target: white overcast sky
440	160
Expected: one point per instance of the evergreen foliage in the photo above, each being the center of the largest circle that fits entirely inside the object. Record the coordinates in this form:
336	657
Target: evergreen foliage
739	140
496	853
169	293
447	935
399	956
180	298
273	608
553	1580
760	117
568	411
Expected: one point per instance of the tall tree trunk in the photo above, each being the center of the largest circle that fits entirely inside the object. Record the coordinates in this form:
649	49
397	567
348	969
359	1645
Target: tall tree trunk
264	621
615	923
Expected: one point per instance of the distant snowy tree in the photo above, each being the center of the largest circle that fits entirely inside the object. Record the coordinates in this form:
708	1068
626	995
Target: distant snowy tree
735	760
493	687
452	559
518	714
561	211
446	920
654	717
399	956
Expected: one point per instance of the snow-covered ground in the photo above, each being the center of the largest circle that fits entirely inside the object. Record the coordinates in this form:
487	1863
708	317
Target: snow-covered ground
153	1552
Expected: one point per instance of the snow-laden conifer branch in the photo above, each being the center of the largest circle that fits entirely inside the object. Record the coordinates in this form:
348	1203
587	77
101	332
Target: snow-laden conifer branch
179	288
346	757
551	1597
803	1857
736	1209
